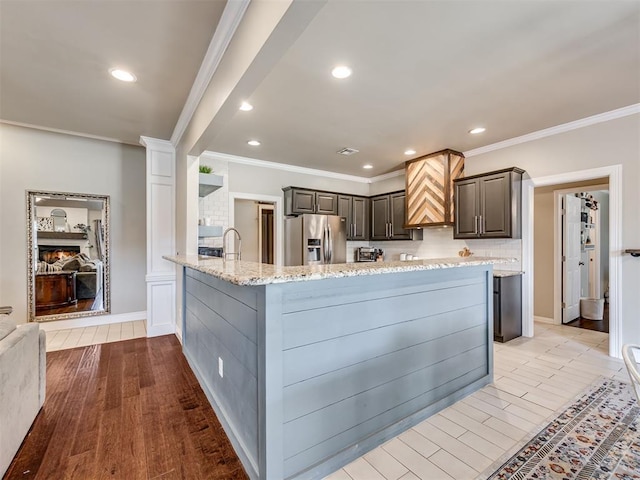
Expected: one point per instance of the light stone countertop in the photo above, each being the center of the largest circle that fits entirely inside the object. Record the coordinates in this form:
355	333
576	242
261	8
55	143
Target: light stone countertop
506	273
251	273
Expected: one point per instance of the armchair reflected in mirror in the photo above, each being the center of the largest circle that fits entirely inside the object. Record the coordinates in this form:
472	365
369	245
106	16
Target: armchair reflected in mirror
68	255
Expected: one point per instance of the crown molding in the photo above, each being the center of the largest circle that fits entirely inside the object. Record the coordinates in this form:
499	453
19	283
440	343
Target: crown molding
386	176
230	19
157	144
281	166
67	132
565	127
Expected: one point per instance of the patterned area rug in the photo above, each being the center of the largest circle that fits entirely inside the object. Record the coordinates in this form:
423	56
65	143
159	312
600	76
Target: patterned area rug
597	437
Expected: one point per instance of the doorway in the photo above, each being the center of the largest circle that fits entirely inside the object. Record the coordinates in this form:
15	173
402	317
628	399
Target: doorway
266	244
584	259
260	220
613	174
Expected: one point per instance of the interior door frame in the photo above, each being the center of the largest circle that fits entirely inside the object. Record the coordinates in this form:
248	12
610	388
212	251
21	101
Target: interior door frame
614	173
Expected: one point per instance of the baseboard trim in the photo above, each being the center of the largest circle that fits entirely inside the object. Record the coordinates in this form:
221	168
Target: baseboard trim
157	331
93	321
548	320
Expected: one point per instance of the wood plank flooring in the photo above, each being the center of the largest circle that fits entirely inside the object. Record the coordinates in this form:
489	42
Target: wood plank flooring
125	410
83	305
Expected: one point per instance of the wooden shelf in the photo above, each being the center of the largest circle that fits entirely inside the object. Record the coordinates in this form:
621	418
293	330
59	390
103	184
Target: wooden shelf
208	183
63	235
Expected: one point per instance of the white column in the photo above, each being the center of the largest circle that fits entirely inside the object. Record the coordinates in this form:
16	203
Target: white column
161	213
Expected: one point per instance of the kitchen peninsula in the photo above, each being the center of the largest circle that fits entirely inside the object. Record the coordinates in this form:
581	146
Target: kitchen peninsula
310	367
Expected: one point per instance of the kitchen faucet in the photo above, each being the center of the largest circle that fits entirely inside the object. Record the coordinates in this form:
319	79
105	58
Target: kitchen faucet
224	244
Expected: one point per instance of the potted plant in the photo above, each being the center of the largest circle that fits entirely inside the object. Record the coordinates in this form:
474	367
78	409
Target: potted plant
208	181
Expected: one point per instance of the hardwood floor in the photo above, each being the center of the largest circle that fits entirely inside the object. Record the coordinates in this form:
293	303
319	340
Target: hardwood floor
127	410
596	325
83	305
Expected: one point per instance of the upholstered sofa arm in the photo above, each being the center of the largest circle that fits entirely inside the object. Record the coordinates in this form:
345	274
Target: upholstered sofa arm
22	377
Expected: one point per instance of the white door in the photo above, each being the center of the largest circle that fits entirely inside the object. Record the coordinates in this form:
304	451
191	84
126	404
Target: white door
571	258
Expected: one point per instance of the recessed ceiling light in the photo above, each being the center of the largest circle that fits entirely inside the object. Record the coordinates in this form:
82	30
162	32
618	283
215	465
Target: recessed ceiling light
253	143
341	71
367	166
411	151
122	75
477	130
246	107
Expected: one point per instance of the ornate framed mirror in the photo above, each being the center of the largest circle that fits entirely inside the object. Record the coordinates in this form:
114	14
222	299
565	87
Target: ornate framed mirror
68	255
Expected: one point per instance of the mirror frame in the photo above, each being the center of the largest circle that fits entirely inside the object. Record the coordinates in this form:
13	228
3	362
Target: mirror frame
31	257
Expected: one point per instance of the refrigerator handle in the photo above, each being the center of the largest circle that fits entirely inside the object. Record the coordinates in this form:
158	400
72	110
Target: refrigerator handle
330	238
325	253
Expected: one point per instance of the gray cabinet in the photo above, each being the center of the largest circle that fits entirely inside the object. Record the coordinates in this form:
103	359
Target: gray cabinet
298	201
388	217
356	211
507	308
489	205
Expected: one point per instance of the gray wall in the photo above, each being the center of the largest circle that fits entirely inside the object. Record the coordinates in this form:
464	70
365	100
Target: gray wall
37	160
609	143
269	181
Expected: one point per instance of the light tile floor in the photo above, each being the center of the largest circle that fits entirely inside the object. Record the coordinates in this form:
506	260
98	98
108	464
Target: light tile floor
81	337
534	378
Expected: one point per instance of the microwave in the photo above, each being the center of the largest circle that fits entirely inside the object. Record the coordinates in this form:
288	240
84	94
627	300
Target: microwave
366	254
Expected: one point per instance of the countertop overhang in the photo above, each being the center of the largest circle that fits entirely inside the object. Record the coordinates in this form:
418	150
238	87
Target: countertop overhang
240	272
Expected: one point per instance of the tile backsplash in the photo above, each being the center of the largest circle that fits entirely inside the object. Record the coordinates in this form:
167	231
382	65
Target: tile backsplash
439	242
215	206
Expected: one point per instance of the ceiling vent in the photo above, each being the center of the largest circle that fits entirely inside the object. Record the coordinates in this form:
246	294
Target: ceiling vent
347	151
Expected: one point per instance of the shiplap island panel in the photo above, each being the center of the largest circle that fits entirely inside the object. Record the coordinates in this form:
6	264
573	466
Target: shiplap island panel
322	364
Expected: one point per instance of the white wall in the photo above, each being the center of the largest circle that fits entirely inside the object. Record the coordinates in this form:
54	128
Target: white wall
37	160
610	143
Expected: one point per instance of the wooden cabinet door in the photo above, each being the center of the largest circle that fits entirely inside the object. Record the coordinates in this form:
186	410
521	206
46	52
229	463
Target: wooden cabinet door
495	205
360	218
467	209
345	210
397	217
380	217
304	201
326	203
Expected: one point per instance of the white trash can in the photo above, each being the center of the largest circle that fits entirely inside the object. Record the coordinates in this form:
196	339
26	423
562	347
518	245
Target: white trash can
592	308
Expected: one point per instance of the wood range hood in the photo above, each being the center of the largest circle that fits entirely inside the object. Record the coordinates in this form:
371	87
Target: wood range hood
429	188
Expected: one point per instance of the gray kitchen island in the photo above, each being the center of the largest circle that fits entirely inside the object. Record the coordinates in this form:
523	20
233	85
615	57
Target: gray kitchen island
309	368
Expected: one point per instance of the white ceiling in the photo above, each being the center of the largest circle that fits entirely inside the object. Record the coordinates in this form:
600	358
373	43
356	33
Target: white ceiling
55	56
425	72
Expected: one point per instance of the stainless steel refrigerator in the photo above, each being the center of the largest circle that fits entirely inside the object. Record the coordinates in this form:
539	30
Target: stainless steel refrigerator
315	240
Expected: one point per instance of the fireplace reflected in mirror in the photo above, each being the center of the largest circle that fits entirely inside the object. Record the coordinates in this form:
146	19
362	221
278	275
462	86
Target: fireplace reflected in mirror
68	235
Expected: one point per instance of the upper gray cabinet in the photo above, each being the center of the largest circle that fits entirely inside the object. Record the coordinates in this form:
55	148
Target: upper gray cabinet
298	201
489	205
356	211
388	217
